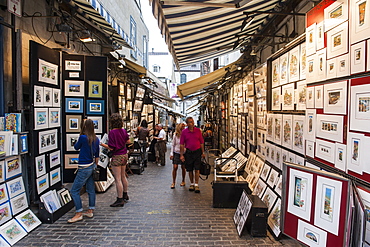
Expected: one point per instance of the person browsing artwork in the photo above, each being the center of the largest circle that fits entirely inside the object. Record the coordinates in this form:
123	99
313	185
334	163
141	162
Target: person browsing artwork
175	155
192	140
88	144
160	146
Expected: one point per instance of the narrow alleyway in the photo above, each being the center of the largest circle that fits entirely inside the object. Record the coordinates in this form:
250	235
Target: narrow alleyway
155	216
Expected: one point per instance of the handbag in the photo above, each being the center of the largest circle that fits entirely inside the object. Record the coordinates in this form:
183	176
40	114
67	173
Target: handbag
96	173
205	169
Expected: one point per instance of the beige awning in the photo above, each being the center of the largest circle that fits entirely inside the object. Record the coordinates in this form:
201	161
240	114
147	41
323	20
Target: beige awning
135	67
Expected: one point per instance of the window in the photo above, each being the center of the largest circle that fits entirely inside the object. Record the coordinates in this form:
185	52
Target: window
133	37
156	68
182	78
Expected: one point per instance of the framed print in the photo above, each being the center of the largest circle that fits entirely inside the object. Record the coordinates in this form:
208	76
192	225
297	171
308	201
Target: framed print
358	57
15	144
335	98
260	188
40	165
299	160
48	140
6	142
275	100
320	36
54	117
122	89
310	97
48	72
311	39
279	185
368	55
265	172
273	219
335	14
311	235
54	158
38	96
288	97
284	61
56	97
74	88
321	65
140	92
95	107
337	40
19	203
325	150
74	105
12	232
301	95
327	205
48	96
340	156
51	201
71	140
278	158
13	167
343	65
70	161
330	127
41	118
356	146
310	126
15	187
311	68
287	131
3	194
5	211
331	68
66	196
272	178
270	127
275	73
302	62
278	131
98	123
23	143
269	198
294	64
73	123
28	220
138	105
55	176
360	15
300	193
2	171
360	108
319	97
310	149
95	89
129	92
42	183
298	134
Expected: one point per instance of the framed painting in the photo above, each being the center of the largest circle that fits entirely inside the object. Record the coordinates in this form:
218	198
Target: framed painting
330	127
320	36
337	40
299	160
299	194
356	146
13	167
48	72
360	108
319	97
331	68
55	176
38	96
259	189
279	185
311	39
358	57
66	196
287	131
343	65
23	143
288	97
48	140
54	159
311	68
15	144
122	89
270	127
321	65
15	187
95	107
56	97
325	150
71	140
273	219
335	14
310	97
302	62
73	123
12	232
138	105
278	162
3	194
298	134
284	62
74	105
70	161
310	125
128	92
311	235
310	149
5	211
265	172
98	123
41	118
140	92
275	100
340	156
51	201
278	131
2	171
272	178
95	89
368	55
360	15
269	198
74	88
28	220
42	183
48	96
335	98
19	203
294	64
40	165
301	95
54	117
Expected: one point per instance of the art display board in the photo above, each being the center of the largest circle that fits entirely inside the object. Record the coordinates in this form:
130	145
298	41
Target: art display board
242	212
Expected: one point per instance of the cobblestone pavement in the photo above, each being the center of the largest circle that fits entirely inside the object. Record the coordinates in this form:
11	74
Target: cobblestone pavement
155	216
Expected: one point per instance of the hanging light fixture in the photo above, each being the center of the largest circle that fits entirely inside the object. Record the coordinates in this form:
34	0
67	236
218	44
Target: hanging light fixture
85	36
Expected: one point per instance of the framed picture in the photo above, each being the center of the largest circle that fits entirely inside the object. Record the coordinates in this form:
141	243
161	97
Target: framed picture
73	123
311	235
5	211
321	65
310	149
54	117
310	126
319	97
299	192
269	198
98	123
337	40
368	55
260	188
95	107
275	100
140	92
40	165
360	14
3	194
41	118
42	183
122	89
48	72
311	39
23	143
310	97
73	65
298	134
287	131
15	187
320	36
55	176
71	140
270	127
19	203
38	96
138	105
95	89
302	62
358	57
284	62
12	232
13	167
15	144
340	156
294	57
301	95
360	108
48	96
331	68
28	220
70	161
74	88
272	178
330	127
48	140
288	97
335	14
74	105
54	159
273	219
2	171
51	201
56	97
265	172
311	68
325	150
278	131
66	196
335	98
343	65
278	162
129	92
356	146
299	160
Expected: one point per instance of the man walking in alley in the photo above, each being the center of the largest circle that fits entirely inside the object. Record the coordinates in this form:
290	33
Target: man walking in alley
192	141
161	145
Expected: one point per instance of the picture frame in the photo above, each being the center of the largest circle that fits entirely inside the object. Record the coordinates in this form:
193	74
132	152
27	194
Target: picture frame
71	140
311	68
287	126
331	68
5	211
359	110
259	189
56	97
273	219
122	89
73	65
325	150
23	143
38	96
330	127
284	74
279	186
74	105
360	14
3	194
302	61
269	198
343	65
55	176
337	40
310	125
19	203
275	99
294	56
129	92
66	196
310	97
327	204
340	156
73	123
301	95
41	118
98	123
42	183
40	165
311	39
320	36
48	72
319	97
335	14
298	133
54	117
321	65
310	149
140	92
74	88
70	161
272	178
368	56
13	167
48	96
15	187
95	89
311	235
2	171
265	172
356	144
48	140
278	162
358	57
95	107
51	201
335	98
278	131
12	232
28	220
288	97
54	159
138	105
299	160
270	127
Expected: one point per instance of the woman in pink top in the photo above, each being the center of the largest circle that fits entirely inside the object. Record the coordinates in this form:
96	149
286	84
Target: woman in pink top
175	155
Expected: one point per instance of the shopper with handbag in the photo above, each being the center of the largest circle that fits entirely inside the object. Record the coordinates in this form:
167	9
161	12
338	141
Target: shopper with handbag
117	140
175	155
88	144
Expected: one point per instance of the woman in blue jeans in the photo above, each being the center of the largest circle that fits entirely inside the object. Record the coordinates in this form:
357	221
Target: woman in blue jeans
88	144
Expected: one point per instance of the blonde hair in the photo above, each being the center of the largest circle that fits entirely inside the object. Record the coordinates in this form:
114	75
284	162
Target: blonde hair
178	129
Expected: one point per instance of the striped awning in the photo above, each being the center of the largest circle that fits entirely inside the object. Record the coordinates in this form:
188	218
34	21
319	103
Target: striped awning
200	30
93	11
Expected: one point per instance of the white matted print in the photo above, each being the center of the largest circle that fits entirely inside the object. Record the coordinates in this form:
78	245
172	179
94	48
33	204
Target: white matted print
343	65
302	62
331	68
28	220
298	134
311	235
259	189
311	39
6	212
38	96
54	158
40	165
15	187
320	36
356	144
71	141
325	150
288	97
321	65
301	95
19	203
13	167
3	194
2	171
48	140
42	183
340	156
270	127
311	68
269	198
275	73
278	131
275	101
335	14
55	176
360	108
74	88
327	205
98	124
337	40
335	98
54	117
274	218
48	96
51	201
330	127
310	97
287	139
48	72
294	64
12	232
319	96
300	193
310	125
56	97
358	57
368	55
360	24
310	148
41	118
284	61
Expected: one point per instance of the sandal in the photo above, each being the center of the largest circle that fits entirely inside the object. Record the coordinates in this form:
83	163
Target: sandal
172	186
182	184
